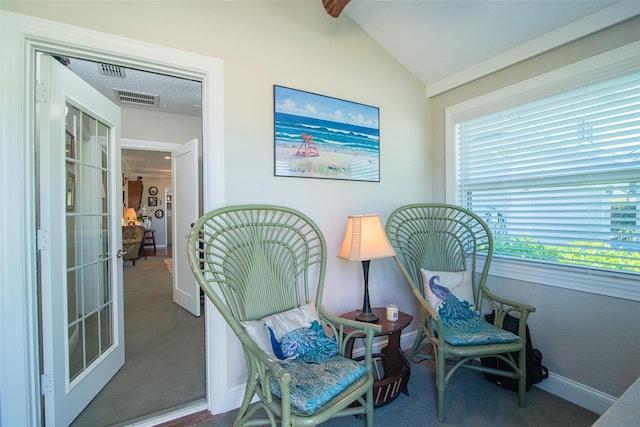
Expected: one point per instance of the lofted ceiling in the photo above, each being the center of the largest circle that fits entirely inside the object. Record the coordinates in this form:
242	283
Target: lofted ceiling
435	40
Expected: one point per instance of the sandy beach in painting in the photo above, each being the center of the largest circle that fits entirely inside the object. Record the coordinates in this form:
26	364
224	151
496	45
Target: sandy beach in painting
333	163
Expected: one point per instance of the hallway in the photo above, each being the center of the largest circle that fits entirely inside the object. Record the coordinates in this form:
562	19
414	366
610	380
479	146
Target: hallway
164	350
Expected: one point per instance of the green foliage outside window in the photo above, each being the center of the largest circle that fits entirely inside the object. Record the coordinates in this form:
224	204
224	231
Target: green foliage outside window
590	254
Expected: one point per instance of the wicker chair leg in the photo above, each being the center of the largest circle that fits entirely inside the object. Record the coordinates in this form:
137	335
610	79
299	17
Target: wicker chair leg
522	380
370	407
441	384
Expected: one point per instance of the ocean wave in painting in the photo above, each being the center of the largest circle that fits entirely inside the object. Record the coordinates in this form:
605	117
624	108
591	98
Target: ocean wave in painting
327	135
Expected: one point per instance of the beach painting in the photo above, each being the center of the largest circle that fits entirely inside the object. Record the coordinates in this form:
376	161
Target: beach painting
318	136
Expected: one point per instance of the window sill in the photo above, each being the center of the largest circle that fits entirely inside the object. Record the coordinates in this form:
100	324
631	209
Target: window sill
613	284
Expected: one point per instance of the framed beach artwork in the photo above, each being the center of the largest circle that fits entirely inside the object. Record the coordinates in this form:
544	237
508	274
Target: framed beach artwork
319	136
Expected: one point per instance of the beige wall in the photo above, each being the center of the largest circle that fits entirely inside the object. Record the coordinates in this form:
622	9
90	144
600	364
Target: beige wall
139	124
293	44
593	340
296	44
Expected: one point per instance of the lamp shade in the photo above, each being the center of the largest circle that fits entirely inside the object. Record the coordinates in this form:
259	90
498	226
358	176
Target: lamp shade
365	239
131	213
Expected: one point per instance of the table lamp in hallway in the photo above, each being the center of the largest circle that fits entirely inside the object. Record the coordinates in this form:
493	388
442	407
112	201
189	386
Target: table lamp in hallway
131	216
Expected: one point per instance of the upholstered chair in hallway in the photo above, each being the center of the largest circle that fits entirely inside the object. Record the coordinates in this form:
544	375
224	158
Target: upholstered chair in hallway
131	240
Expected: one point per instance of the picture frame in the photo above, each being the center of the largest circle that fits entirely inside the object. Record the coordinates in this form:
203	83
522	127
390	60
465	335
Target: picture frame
153	201
71	191
318	136
69	145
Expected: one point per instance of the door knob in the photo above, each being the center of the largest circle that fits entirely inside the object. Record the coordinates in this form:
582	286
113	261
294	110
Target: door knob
121	253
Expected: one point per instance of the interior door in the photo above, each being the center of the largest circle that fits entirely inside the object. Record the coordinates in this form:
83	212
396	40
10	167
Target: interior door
79	233
184	166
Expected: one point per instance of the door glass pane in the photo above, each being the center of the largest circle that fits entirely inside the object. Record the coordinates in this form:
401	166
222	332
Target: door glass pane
105	326
89	277
106	288
92	333
73	255
76	350
73	306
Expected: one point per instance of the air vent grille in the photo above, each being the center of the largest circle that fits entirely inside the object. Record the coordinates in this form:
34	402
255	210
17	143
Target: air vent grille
111	70
137	98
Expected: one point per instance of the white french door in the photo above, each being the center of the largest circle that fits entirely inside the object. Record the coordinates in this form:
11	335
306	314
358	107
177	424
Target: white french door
79	236
185	211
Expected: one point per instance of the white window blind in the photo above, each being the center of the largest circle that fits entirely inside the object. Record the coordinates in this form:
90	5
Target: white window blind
558	178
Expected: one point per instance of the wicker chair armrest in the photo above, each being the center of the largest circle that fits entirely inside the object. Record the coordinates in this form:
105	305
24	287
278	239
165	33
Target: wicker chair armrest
508	305
362	327
503	306
357	329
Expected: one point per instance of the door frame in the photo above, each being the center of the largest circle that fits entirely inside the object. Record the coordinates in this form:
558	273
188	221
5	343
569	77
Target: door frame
21	37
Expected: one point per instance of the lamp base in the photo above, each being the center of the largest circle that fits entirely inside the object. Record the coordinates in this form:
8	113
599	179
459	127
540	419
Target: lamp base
367	317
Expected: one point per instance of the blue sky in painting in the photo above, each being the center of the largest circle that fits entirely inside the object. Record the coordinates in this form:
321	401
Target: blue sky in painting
292	101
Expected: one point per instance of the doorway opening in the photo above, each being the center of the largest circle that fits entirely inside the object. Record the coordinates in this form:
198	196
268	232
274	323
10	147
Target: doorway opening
164	344
164	347
23	38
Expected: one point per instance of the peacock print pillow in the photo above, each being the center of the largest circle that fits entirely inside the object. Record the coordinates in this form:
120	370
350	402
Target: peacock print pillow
450	294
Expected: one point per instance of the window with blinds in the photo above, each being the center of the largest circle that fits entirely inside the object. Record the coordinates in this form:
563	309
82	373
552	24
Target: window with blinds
558	178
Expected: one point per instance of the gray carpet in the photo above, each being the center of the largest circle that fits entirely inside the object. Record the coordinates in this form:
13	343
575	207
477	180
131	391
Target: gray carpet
471	401
165	367
164	351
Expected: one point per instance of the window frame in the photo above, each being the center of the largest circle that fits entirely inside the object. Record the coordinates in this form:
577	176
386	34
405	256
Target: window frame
615	62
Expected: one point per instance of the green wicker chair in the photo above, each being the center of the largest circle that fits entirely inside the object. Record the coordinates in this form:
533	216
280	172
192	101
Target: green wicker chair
447	238
255	262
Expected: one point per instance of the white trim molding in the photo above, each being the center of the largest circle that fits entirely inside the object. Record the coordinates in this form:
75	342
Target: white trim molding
577	393
169	414
572	391
141	144
20	37
406	341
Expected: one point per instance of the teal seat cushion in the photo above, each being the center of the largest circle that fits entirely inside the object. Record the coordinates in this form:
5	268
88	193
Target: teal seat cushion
314	384
306	344
482	333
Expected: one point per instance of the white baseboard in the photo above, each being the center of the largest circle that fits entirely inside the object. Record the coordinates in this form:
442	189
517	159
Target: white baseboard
406	341
232	399
167	415
577	393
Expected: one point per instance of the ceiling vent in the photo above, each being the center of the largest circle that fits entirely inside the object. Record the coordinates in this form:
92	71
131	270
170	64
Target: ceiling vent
137	98
111	71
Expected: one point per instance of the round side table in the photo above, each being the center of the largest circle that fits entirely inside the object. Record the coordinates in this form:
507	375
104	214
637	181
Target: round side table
395	365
